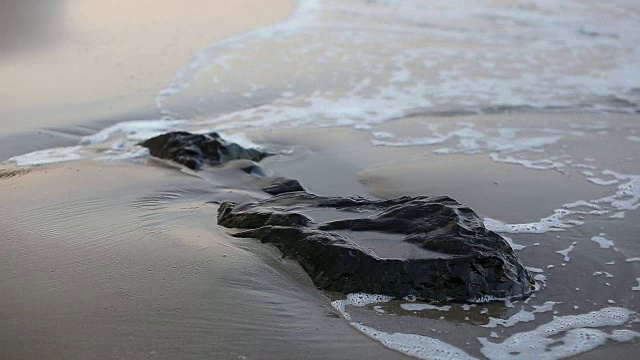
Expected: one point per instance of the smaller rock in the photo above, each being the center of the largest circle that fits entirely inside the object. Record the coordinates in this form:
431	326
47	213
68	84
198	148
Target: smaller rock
279	185
196	150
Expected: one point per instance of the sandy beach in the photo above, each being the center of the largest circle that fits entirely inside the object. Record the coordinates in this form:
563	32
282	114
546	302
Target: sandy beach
127	261
106	252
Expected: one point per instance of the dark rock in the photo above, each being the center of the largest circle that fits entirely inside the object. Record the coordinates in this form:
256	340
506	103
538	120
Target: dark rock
432	248
195	150
279	185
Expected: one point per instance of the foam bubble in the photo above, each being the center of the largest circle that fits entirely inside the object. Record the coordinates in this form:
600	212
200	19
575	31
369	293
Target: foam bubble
134	131
627	196
602	182
357	299
606	274
499	143
603	241
421	307
566	252
50	156
541	278
556	222
618	215
546	307
519	317
542	164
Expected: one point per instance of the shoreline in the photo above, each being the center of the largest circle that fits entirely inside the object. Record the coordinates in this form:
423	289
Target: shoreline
329	161
124	258
123	266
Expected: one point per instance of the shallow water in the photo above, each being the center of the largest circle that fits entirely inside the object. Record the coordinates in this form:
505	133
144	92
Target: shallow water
527	111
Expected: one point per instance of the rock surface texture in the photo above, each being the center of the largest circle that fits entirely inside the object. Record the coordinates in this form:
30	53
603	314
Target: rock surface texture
195	150
432	248
279	185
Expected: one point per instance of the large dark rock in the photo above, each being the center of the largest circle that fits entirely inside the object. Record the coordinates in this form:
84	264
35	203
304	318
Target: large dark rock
195	150
432	248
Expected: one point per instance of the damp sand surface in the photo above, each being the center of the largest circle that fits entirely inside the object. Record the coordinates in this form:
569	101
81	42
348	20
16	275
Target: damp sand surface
127	261
125	257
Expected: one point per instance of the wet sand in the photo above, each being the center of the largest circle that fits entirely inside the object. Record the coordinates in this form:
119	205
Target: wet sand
125	260
117	261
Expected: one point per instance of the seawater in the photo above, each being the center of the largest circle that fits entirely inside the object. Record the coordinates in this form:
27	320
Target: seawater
360	63
368	64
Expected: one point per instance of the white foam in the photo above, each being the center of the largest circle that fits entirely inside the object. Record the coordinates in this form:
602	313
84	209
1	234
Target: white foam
627	197
562	337
204	58
603	241
120	142
602	182
543	164
360	63
134	131
546	307
618	215
519	317
556	222
634	259
623	335
581	203
500	143
357	299
49	156
421	307
566	252
541	278
585	166
606	274
636	288
418	346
